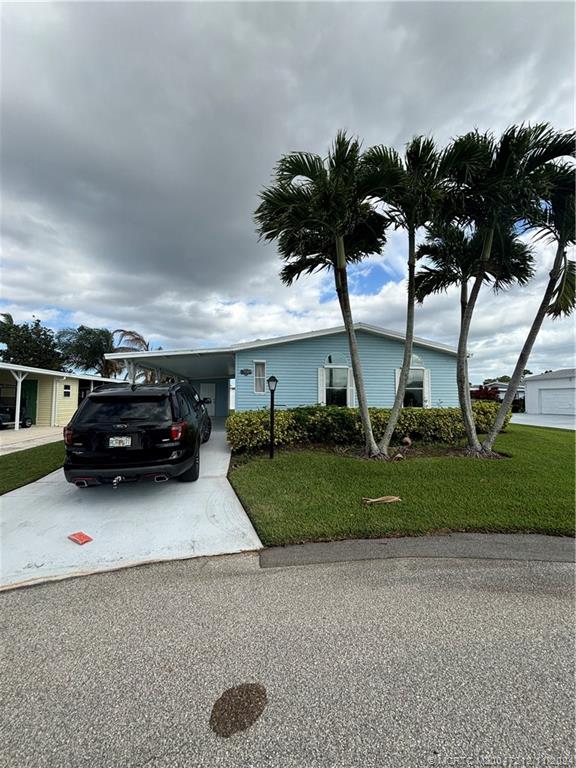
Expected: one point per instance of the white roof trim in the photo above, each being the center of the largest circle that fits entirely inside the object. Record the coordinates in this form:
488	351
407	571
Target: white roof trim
60	374
561	373
158	354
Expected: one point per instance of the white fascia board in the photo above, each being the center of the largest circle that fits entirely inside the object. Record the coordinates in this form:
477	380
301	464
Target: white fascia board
56	374
158	354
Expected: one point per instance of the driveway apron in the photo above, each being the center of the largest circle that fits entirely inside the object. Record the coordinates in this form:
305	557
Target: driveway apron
134	524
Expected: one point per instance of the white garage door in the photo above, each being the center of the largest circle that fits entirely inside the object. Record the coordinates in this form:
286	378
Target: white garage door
557	401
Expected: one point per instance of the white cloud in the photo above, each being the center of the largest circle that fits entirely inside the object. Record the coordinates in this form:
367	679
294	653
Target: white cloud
131	168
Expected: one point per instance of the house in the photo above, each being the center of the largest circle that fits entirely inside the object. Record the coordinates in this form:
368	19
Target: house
311	368
49	398
501	386
551	393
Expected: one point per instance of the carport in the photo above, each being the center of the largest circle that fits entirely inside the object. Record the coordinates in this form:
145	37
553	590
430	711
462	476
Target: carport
209	371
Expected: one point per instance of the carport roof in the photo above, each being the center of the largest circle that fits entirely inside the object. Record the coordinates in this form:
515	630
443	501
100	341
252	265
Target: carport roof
219	363
56	374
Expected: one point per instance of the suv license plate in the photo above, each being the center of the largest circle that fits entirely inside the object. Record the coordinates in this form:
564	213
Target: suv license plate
119	442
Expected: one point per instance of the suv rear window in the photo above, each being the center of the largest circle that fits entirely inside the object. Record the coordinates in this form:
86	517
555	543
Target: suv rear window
105	410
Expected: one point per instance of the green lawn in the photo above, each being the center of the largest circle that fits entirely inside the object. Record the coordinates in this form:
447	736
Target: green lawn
313	495
23	467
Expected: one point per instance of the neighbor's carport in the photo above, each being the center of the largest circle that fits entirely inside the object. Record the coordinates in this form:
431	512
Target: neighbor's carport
209	371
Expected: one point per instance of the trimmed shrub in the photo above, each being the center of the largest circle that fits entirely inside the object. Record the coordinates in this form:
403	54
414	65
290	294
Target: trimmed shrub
331	425
250	430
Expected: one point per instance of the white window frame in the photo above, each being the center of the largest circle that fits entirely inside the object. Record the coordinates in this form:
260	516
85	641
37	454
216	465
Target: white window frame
67	390
426	384
326	387
259	362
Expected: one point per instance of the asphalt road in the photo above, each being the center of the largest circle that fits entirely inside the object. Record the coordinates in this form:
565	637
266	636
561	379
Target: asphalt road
401	662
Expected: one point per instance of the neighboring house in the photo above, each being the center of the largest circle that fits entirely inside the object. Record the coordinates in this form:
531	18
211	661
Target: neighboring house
49	398
501	386
552	393
311	368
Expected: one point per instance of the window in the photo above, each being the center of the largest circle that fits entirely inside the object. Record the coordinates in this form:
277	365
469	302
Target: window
101	410
67	390
336	386
185	405
260	377
414	397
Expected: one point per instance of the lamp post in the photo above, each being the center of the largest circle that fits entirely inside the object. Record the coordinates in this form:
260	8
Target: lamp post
272	384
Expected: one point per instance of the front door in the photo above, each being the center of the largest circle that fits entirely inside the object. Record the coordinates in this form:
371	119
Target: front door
29	398
209	390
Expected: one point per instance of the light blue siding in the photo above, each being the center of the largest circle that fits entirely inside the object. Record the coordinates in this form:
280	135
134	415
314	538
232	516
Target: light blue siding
296	363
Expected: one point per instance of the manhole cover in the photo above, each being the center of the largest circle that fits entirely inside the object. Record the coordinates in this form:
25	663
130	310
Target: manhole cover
238	708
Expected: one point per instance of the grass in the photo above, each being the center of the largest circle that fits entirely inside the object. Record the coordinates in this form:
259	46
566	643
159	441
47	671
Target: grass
315	495
23	467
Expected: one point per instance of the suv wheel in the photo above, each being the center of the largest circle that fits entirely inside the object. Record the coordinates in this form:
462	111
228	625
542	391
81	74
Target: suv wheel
207	430
27	422
192	474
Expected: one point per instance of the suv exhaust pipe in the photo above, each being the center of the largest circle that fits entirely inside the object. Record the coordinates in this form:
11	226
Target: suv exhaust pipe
161	478
81	484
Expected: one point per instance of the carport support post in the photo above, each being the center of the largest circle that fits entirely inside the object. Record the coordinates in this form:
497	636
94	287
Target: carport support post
19	376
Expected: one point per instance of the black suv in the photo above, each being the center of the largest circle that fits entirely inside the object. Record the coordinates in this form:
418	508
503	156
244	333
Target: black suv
136	433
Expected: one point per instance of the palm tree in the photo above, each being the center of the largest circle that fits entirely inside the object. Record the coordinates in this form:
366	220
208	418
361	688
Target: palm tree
320	211
131	341
410	189
86	348
454	256
555	221
493	185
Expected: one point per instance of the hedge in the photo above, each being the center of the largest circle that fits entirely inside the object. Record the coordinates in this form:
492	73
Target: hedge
331	425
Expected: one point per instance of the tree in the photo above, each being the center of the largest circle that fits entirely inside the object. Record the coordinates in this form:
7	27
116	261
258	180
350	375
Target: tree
322	215
6	326
495	184
453	259
29	344
554	220
84	348
410	189
135	341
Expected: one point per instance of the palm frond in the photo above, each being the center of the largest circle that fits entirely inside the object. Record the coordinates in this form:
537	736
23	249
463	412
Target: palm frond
344	155
564	297
429	280
134	339
304	165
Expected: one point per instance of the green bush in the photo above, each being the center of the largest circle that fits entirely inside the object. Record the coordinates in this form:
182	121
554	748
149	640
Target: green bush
249	431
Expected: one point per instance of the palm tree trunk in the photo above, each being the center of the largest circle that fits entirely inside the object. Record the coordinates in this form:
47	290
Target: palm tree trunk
341	280
464	398
488	443
408	343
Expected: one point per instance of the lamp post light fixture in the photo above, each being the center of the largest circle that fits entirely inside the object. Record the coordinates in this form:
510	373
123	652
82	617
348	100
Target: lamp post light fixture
272	382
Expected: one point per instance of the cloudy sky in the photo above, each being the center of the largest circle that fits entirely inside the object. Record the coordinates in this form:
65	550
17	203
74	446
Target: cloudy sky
136	137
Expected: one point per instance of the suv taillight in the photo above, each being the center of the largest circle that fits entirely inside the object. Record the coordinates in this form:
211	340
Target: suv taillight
68	436
176	430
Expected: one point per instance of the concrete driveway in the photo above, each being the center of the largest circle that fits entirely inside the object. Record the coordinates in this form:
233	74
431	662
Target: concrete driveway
387	663
130	525
12	440
539	420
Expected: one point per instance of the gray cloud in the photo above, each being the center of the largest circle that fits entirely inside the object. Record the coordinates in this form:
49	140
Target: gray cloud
135	139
